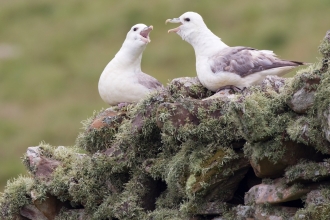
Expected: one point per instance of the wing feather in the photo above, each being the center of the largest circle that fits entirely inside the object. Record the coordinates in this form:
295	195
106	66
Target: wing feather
148	81
246	60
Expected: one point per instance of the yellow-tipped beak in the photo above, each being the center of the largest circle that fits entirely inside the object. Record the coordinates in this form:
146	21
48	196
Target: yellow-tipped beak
174	30
173	20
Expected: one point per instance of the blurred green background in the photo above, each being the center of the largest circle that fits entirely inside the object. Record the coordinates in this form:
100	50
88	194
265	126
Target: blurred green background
53	52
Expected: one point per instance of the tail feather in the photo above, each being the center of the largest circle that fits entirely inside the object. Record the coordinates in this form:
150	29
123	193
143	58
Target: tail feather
299	63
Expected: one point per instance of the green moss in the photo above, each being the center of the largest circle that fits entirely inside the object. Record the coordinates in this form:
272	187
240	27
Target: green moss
279	211
204	121
324	48
173	170
299	130
191	181
129	204
205	166
306	78
261	116
139	138
96	139
85	182
188	87
322	97
61	153
316	211
312	171
238	212
66	214
166	214
273	150
321	212
189	144
15	196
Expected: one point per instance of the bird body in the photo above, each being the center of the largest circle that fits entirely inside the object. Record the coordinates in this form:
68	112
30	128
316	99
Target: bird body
122	80
218	65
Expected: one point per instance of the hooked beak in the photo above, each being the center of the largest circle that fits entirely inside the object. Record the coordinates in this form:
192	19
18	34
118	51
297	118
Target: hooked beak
145	34
173	20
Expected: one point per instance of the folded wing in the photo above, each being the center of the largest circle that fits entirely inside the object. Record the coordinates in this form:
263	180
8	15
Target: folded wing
148	81
245	61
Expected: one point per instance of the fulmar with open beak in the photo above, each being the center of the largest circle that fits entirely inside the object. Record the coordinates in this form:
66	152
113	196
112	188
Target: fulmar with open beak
219	66
122	80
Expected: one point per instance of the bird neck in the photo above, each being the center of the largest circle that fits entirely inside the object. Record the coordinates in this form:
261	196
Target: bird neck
128	58
205	43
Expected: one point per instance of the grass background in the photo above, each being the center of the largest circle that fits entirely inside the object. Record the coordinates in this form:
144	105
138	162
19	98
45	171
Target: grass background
53	52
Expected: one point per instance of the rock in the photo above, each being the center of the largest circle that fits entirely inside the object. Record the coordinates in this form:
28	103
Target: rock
183	119
188	87
184	152
216	183
317	205
224	95
100	130
303	130
294	152
109	118
212	208
244	211
146	111
327	36
76	214
304	97
316	198
326	124
19	217
41	166
115	152
50	207
276	193
275	213
308	172
324	46
31	212
273	83
302	100
176	114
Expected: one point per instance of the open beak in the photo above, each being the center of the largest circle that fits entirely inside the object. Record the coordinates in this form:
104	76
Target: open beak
173	20
145	34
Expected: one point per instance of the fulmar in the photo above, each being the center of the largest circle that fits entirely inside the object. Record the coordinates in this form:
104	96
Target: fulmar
122	80
218	65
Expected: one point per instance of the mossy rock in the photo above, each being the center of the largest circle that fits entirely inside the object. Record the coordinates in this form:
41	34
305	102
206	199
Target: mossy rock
218	177
183	150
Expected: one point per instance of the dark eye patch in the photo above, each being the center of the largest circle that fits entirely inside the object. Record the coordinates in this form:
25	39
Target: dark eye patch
187	19
135	29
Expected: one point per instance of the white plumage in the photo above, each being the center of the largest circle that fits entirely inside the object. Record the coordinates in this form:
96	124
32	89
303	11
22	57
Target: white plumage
122	80
218	65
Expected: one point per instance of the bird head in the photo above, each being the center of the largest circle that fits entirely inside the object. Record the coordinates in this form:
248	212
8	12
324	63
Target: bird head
191	22
139	34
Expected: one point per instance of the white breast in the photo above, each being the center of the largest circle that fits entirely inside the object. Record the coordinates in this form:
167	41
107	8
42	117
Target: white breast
214	81
118	86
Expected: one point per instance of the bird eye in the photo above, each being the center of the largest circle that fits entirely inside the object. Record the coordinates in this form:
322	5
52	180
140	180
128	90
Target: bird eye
187	19
135	29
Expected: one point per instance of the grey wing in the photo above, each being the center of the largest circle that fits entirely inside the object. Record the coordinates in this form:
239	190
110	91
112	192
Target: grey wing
245	61
149	81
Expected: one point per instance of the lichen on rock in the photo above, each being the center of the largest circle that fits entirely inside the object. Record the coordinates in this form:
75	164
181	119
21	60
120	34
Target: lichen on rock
187	153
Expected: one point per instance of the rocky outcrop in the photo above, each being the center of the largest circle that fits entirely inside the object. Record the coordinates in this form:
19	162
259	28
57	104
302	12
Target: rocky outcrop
187	153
